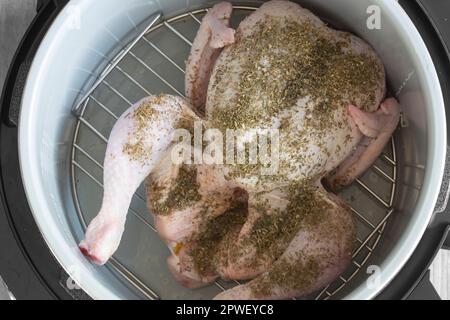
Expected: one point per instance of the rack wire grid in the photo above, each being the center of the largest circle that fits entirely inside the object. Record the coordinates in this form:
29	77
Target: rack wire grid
153	63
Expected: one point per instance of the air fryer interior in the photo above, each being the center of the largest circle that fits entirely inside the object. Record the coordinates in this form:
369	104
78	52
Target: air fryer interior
63	175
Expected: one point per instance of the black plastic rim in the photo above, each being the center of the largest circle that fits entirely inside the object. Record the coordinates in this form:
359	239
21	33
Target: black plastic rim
26	265
29	268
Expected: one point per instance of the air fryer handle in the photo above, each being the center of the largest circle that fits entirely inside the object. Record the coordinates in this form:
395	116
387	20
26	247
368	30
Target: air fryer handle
444	193
424	290
13	111
441	210
446	244
436	237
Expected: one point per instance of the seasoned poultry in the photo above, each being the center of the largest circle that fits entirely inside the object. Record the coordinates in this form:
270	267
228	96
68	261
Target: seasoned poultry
283	69
137	143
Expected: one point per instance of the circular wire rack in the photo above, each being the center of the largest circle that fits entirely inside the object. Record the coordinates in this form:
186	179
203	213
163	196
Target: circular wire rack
151	63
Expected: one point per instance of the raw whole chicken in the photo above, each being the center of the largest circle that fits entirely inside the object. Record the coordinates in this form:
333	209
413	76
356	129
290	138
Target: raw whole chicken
282	69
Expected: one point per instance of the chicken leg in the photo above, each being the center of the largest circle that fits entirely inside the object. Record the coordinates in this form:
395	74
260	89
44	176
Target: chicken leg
213	35
377	128
137	142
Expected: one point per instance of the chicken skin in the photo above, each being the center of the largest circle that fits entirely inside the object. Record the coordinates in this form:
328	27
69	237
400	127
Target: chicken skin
323	90
282	70
138	141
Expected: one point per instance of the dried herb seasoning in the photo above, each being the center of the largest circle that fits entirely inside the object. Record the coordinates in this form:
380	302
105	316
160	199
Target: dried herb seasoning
294	273
137	148
283	61
216	235
275	228
280	63
183	194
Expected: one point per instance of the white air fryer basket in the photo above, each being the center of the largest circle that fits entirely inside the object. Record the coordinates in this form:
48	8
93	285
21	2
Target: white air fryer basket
101	56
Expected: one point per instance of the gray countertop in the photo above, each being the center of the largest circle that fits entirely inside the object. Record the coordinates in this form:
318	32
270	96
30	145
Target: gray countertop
15	16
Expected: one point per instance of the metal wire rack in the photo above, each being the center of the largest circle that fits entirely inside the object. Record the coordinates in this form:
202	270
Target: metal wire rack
146	66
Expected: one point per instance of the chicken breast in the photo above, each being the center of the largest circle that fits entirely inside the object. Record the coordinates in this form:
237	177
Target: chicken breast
288	70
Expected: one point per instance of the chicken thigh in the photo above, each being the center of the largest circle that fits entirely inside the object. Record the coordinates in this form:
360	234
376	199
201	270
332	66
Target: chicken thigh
309	245
137	143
